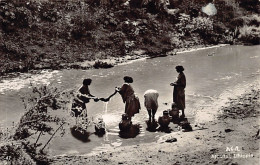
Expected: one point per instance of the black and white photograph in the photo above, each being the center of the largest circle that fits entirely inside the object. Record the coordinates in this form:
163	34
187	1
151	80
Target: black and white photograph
129	82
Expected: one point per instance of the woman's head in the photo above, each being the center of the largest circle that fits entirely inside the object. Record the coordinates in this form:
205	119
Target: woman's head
87	81
128	79
179	68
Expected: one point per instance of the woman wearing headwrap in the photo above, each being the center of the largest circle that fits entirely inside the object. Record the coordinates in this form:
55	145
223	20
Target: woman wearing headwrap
132	104
179	92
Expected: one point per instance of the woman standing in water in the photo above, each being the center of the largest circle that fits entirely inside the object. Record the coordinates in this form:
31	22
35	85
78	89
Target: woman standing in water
83	96
132	104
179	92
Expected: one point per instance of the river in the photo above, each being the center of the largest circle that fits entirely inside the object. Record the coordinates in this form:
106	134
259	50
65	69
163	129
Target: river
212	75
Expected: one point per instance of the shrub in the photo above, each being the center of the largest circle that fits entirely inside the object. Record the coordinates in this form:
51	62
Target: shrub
136	3
251	5
84	21
39	119
100	64
249	34
13	153
202	25
12	17
49	12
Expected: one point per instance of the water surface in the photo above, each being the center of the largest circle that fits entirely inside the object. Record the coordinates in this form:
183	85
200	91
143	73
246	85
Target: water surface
211	75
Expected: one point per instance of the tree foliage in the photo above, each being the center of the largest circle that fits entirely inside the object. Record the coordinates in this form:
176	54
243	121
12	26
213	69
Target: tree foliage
39	120
51	34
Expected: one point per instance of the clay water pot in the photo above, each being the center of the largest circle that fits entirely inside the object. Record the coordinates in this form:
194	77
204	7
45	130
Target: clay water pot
100	126
125	124
174	113
185	125
164	120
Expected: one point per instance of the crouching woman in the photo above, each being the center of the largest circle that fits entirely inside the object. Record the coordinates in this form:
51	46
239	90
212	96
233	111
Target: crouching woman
151	102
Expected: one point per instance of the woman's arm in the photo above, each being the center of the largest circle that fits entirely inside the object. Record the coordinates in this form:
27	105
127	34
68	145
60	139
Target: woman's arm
108	98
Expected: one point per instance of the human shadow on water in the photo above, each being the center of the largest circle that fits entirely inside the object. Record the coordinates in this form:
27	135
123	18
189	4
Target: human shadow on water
100	132
185	125
151	125
127	129
165	129
131	132
80	134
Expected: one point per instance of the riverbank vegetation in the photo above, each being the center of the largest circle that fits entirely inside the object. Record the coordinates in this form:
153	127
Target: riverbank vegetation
49	34
27	142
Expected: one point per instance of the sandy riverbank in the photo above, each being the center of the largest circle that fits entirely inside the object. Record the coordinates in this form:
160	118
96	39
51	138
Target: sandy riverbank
230	139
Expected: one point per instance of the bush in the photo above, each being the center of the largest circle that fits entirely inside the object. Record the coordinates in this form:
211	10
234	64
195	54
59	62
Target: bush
100	64
83	22
252	20
12	152
49	12
251	5
202	25
249	34
136	3
12	17
39	119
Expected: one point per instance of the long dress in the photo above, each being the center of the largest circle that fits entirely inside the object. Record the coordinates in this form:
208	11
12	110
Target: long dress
132	103
179	92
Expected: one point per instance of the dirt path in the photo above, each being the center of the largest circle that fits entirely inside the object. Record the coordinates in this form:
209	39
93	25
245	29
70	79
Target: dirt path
231	139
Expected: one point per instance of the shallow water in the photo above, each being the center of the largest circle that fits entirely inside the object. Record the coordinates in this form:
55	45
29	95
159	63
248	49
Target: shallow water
211	74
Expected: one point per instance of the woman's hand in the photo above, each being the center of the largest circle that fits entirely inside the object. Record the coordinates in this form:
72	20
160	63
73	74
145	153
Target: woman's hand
96	99
117	89
173	84
104	99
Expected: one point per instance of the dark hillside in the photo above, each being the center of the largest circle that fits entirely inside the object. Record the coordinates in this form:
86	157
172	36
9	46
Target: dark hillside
51	34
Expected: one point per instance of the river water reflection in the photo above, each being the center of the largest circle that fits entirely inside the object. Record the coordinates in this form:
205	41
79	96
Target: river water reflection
210	74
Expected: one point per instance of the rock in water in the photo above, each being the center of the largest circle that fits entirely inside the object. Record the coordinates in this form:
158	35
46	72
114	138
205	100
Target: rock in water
185	125
171	140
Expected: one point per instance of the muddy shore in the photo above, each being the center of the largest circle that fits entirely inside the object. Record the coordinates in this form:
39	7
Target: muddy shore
231	139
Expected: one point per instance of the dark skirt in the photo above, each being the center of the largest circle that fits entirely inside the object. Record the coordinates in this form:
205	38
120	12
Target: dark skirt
132	105
179	97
